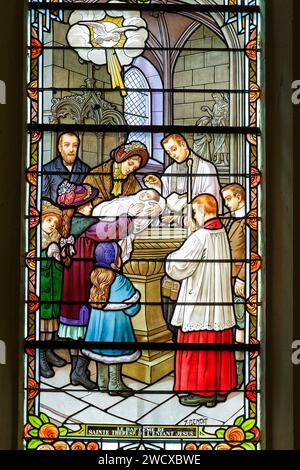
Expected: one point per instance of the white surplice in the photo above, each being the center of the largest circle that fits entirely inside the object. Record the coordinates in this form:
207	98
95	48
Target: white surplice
205	281
174	179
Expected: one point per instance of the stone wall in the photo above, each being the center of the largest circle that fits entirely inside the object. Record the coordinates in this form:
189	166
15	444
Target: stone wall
196	70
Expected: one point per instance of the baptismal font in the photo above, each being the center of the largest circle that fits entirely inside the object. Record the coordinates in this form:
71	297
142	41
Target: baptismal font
146	270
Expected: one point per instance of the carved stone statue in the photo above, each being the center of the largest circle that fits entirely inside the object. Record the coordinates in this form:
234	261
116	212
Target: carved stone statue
215	148
202	142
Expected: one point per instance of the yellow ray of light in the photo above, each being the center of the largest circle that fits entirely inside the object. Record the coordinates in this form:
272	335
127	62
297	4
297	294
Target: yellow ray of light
114	69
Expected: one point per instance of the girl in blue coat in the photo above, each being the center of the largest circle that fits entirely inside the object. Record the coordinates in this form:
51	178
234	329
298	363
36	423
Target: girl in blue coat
114	300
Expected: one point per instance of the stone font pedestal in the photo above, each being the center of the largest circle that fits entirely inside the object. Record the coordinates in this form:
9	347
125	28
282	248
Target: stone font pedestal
146	270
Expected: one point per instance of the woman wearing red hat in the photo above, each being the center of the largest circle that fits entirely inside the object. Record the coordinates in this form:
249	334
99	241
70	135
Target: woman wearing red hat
88	231
115	177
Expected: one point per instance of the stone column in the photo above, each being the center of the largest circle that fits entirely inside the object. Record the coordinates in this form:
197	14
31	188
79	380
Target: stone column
146	270
99	136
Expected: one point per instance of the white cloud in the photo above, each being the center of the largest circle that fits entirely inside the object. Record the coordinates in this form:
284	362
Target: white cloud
79	36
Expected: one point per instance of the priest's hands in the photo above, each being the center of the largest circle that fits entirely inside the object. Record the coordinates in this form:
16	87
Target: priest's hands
168	219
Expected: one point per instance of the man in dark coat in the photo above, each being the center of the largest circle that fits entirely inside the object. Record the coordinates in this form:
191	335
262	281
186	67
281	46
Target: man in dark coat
235	224
67	166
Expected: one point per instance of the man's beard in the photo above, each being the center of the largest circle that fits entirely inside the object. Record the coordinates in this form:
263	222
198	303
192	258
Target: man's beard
69	159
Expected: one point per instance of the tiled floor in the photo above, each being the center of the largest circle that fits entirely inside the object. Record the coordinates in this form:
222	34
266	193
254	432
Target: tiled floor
152	404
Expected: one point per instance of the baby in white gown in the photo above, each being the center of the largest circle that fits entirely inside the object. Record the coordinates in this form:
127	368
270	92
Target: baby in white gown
138	206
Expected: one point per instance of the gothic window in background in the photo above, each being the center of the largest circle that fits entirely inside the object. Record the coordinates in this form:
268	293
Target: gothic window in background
144	312
137	105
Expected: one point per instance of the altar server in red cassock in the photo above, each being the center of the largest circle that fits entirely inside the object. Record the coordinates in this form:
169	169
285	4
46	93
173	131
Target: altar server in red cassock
204	312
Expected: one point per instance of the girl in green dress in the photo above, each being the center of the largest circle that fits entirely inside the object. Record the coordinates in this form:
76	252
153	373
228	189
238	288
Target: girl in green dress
51	285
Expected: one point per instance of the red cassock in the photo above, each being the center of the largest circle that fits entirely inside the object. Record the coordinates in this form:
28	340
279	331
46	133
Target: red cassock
205	372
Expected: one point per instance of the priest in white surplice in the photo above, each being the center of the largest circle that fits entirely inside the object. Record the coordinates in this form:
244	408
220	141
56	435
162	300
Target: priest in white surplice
173	185
204	312
174	181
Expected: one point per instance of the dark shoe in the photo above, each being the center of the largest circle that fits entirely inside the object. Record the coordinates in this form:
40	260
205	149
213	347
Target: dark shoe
218	399
121	394
196	400
79	375
211	404
116	385
46	370
73	362
54	359
73	365
221	398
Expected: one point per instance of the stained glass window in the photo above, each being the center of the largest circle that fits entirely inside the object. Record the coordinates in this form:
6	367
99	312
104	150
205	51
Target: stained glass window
137	105
144	256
